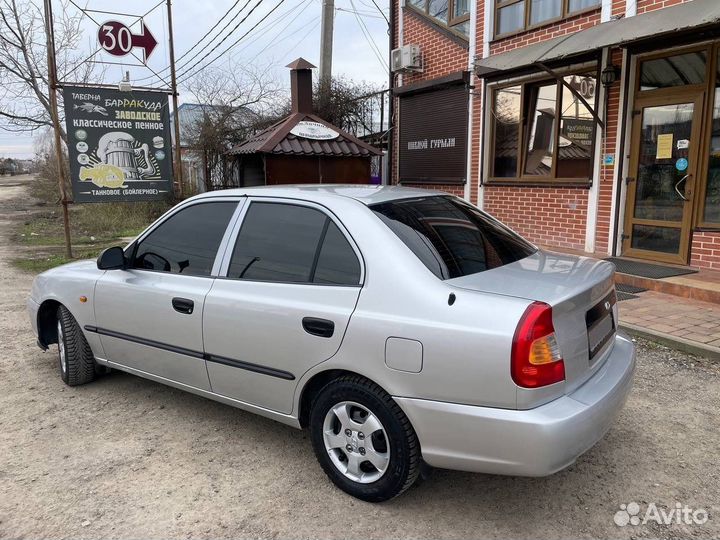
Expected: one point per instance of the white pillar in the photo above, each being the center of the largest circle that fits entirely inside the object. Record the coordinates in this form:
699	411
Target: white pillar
606	11
471	67
631	8
487	38
593	194
617	205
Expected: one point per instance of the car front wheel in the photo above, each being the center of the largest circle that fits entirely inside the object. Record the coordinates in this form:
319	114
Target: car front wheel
77	363
363	440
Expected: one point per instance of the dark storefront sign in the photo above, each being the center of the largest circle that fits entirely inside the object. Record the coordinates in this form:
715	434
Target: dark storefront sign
119	144
433	135
578	131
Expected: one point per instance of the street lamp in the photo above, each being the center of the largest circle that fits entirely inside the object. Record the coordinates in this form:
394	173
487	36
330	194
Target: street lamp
609	75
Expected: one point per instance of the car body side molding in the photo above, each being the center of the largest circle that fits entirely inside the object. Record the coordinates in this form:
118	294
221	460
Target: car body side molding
257	368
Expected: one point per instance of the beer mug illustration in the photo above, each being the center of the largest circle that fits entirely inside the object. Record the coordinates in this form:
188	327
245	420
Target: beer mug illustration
118	149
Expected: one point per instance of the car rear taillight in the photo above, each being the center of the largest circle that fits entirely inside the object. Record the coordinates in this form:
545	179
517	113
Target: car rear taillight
536	360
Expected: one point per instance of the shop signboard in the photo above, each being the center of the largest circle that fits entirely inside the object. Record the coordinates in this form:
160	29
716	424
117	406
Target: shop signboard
578	131
119	144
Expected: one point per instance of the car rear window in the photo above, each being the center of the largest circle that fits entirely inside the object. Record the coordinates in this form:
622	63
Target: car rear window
451	237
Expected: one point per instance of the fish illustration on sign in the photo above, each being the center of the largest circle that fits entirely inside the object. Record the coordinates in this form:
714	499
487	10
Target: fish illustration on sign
91	108
103	175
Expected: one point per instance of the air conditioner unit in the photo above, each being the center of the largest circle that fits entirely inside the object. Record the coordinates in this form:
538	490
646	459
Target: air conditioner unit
406	58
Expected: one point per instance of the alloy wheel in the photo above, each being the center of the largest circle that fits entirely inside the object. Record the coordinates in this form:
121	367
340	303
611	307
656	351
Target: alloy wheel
356	442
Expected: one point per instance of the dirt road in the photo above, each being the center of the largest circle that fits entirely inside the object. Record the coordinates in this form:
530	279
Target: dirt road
128	458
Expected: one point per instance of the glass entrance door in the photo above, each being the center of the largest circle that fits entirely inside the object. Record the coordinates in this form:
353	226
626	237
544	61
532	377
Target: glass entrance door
664	161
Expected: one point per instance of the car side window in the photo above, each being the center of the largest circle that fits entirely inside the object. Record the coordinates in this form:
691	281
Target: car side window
187	242
337	263
281	242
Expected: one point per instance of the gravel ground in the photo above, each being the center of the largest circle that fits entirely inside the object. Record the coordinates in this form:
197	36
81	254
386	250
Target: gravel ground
128	458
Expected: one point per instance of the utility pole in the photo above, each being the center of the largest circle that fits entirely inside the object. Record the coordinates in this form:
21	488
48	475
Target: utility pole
326	41
52	98
173	83
391	97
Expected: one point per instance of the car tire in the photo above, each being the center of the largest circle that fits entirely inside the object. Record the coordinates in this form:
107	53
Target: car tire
340	415
77	363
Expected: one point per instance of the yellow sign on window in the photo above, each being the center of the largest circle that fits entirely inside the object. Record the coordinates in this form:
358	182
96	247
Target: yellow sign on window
664	146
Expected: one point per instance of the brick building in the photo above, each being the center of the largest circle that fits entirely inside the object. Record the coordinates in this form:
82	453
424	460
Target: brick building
590	125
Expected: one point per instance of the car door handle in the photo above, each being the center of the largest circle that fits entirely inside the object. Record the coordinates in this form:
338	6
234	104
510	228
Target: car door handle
183	305
318	327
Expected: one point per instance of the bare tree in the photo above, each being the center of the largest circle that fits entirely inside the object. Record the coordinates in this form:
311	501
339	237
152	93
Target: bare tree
231	105
24	103
343	102
347	104
45	185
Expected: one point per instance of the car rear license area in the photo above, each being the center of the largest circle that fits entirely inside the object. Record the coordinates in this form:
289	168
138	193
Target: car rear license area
600	324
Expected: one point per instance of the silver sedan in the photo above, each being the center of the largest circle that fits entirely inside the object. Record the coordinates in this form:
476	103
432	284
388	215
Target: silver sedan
403	328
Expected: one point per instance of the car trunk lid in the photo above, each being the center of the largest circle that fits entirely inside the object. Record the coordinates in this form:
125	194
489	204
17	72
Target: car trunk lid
580	291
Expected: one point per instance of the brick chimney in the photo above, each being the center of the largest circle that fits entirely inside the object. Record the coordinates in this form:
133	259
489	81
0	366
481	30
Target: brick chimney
301	86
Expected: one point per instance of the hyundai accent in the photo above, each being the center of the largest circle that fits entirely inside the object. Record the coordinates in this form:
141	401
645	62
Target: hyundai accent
400	326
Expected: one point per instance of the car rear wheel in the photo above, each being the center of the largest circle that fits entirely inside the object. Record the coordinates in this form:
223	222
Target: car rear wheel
77	363
363	440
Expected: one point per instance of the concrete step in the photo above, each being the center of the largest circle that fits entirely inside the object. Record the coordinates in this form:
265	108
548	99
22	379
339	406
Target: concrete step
703	286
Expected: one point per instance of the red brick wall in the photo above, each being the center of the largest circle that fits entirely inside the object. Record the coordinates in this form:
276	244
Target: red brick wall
395	42
618	8
474	140
477	103
546	216
568	26
549	216
705	250
609	144
643	6
441	54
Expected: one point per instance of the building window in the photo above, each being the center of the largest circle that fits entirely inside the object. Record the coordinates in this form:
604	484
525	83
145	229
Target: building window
670	71
455	14
512	16
542	132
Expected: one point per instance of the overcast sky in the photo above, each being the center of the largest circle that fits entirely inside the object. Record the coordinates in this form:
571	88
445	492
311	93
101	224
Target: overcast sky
292	30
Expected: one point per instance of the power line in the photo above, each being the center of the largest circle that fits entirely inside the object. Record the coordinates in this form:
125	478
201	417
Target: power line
273	40
369	39
186	74
361	13
202	38
378	9
215	47
216	25
295	46
227	35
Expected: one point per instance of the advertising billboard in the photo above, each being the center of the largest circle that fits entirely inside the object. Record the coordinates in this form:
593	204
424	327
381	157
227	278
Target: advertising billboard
119	144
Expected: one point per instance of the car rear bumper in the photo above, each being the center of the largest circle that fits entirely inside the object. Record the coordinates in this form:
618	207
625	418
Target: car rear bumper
534	442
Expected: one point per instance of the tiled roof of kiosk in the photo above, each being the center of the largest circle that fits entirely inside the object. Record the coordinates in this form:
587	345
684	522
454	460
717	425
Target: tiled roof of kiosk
277	139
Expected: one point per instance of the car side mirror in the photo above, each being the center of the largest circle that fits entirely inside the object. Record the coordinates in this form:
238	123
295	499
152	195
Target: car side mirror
112	258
